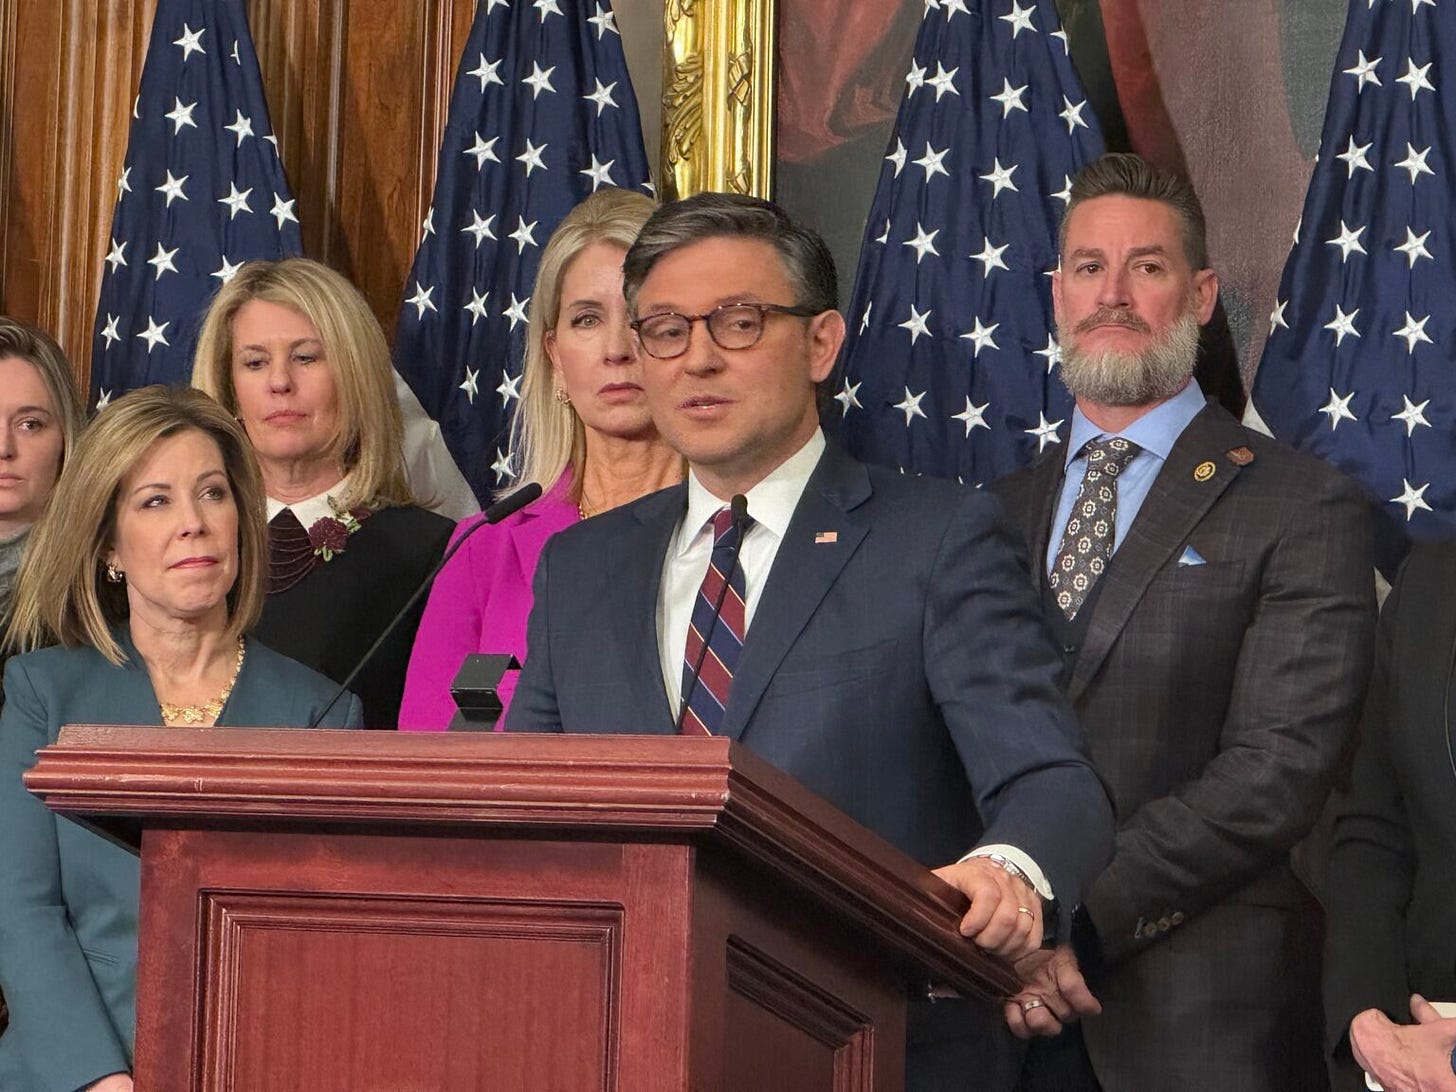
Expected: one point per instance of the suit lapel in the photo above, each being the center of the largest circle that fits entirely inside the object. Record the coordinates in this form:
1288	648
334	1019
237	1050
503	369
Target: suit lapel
1045	486
634	562
537	523
802	573
253	700
130	697
1181	494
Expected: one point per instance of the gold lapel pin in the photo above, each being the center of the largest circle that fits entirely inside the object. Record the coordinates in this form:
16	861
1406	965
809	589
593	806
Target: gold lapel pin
1203	471
1240	456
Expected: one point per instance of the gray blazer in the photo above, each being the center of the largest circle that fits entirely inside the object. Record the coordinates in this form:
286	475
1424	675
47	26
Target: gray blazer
68	897
896	665
1217	698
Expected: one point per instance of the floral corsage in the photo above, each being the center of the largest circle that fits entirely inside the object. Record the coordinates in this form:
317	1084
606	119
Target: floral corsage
329	536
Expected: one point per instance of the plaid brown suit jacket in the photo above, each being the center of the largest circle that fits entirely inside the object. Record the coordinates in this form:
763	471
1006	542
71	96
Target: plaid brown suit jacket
1218	698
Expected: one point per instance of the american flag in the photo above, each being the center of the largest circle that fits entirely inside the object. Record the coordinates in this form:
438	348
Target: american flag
950	364
201	193
542	115
1362	337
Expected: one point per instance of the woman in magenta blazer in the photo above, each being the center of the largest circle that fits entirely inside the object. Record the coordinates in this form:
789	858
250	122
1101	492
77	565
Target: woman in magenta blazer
583	430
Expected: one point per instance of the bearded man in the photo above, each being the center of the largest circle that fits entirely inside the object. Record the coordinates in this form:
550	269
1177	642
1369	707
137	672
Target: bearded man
1213	597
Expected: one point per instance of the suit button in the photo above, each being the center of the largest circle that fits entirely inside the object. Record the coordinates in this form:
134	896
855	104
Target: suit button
1163	925
1069	650
1176	917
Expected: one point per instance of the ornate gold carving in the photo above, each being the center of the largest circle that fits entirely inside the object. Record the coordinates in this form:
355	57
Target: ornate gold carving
717	101
682	101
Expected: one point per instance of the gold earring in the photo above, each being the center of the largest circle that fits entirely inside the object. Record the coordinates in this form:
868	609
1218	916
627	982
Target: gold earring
113	574
562	396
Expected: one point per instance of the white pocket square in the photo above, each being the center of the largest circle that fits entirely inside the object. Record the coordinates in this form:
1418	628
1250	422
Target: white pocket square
1191	557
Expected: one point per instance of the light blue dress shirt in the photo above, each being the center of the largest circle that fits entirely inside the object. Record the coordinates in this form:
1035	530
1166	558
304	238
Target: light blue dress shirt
1155	432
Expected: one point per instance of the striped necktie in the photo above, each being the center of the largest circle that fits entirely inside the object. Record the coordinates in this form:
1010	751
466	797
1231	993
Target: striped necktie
723	636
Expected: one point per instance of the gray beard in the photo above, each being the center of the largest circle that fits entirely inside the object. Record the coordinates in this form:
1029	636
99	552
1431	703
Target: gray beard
1113	378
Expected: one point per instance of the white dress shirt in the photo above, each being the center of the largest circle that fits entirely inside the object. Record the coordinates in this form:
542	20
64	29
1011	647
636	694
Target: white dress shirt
771	503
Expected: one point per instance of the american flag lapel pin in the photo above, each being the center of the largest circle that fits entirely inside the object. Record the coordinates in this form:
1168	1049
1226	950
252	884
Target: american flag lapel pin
825	537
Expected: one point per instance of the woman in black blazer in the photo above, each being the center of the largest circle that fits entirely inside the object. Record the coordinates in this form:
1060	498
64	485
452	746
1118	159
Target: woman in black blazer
1392	891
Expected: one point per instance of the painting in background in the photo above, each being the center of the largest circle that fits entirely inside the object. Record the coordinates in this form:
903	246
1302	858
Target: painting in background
841	76
1231	93
640	24
1234	95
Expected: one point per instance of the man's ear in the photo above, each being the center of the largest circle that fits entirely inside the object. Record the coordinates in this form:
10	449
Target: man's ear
1205	294
826	335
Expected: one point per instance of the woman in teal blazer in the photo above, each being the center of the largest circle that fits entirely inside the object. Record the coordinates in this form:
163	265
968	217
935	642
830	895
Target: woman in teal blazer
143	573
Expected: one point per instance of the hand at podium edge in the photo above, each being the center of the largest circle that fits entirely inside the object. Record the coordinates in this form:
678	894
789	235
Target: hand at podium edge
998	920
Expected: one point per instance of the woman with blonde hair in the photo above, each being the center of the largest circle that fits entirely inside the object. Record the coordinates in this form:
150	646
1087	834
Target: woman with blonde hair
40	415
583	431
293	351
145	572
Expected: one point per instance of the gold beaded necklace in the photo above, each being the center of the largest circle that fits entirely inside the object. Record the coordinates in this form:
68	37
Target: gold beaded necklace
187	716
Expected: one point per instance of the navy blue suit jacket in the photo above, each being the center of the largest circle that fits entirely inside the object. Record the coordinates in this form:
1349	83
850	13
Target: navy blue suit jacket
901	669
68	896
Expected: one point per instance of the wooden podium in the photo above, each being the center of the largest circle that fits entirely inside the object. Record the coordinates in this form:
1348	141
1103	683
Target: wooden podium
449	913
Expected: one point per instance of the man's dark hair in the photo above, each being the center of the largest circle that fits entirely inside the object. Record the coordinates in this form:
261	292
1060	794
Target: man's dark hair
1126	175
718	215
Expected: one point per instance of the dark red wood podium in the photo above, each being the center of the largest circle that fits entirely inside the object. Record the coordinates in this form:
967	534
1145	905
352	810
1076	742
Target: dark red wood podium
431	913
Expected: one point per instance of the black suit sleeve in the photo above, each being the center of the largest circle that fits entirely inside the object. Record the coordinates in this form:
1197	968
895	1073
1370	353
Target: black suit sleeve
534	706
1372	864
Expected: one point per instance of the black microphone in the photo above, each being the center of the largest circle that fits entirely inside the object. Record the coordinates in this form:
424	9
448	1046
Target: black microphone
739	507
498	511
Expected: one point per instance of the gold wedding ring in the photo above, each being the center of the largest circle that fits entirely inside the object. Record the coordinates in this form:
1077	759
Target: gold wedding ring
1028	911
1034	1003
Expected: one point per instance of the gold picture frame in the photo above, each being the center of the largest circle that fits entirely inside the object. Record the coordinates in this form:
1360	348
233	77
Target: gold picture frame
719	60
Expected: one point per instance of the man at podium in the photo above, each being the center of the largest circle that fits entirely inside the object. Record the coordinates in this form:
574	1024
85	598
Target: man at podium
870	634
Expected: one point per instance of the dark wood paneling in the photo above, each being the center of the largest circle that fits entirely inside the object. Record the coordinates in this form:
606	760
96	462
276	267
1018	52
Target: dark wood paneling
70	72
357	90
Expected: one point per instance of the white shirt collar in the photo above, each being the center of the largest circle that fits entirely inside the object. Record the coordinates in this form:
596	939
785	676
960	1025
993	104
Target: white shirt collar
311	509
771	502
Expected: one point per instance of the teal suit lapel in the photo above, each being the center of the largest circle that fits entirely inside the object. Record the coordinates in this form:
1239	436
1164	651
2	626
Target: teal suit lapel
254	700
129	695
803	572
634	563
1177	502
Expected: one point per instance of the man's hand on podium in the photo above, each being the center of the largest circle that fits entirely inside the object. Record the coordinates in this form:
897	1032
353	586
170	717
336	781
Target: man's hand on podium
1053	994
1005	917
